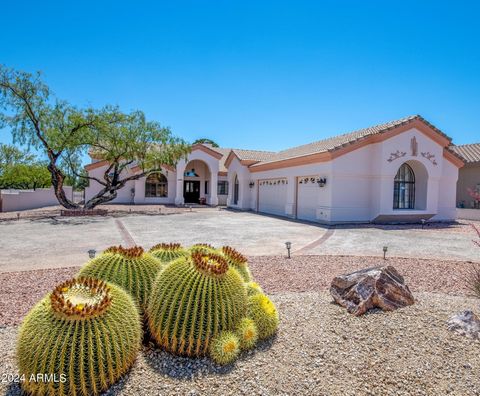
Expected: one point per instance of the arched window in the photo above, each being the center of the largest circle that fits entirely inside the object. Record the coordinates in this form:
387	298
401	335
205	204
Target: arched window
235	191
156	186
404	188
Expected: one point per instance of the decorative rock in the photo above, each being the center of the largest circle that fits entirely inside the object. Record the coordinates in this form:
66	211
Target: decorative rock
465	323
376	287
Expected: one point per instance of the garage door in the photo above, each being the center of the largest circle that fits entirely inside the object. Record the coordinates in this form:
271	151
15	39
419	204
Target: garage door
307	197
272	196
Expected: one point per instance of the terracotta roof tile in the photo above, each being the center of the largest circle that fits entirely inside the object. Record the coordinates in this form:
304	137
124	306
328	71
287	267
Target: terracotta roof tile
468	152
336	142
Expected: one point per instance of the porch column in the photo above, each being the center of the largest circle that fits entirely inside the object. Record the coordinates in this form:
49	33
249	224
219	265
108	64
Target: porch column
180	171
213	189
291	191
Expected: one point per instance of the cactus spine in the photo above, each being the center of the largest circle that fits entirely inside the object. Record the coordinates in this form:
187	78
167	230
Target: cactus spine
194	299
86	329
167	252
264	313
253	288
247	333
238	261
130	268
225	347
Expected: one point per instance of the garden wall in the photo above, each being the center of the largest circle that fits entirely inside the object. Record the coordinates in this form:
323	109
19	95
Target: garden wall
468	214
13	200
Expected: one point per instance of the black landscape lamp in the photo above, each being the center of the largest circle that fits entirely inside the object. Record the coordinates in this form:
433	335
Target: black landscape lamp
423	221
385	249
91	253
289	246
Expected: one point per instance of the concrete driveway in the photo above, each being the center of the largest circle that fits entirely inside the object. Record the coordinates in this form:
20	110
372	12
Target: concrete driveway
64	242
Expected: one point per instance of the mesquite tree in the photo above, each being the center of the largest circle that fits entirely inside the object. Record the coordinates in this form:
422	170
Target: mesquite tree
65	133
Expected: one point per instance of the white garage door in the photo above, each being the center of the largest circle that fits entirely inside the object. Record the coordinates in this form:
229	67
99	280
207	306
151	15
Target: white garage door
307	197
272	196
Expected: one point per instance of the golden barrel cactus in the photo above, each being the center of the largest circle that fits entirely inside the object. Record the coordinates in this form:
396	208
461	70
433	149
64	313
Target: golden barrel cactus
193	299
264	313
81	338
167	252
238	261
130	268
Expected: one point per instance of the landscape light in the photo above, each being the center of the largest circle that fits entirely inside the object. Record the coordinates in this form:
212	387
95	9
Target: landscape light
385	249
289	246
423	221
91	253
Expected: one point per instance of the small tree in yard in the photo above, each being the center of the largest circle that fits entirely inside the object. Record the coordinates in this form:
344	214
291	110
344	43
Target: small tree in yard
65	133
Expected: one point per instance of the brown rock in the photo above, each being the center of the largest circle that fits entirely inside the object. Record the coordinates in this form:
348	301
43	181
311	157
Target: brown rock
377	287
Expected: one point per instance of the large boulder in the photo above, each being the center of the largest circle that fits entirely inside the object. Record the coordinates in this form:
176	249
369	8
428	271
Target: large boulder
465	323
377	287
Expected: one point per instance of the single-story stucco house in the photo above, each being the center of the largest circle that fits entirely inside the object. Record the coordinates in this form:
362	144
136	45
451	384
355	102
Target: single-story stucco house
404	170
469	175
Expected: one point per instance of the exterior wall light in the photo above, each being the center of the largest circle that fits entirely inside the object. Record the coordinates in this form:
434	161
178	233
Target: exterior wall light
251	184
385	249
322	181
91	253
288	245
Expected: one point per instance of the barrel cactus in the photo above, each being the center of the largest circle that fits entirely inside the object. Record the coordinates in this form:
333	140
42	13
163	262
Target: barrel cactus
238	261
193	299
253	288
247	333
130	268
84	335
203	248
225	347
264	313
167	252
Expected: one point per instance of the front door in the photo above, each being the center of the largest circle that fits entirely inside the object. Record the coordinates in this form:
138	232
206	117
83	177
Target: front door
191	191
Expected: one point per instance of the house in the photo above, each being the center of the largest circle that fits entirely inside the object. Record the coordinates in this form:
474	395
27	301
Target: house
469	175
404	170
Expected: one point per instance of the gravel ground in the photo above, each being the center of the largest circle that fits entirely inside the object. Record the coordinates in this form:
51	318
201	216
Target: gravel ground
304	273
320	350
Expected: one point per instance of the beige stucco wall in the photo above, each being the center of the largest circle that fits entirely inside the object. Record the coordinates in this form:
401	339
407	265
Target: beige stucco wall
13	200
469	177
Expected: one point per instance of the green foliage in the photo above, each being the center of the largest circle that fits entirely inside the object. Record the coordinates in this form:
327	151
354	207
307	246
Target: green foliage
193	299
130	268
247	333
238	261
86	329
206	141
25	176
264	313
225	347
65	133
253	288
167	252
12	155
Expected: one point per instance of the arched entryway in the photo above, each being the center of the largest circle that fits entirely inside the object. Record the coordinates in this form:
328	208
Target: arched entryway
410	186
196	182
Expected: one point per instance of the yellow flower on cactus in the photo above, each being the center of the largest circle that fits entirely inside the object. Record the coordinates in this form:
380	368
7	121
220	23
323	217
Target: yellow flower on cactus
225	347
264	313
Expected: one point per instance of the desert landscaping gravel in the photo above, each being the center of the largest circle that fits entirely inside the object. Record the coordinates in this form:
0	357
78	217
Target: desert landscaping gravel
320	350
275	273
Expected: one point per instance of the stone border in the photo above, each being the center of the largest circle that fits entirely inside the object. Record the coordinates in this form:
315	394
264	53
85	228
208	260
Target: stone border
83	212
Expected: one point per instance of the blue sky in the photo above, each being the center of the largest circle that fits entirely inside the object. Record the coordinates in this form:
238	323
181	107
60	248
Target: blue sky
260	75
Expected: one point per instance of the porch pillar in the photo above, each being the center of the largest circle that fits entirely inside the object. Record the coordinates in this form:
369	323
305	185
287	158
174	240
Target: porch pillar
213	189
180	171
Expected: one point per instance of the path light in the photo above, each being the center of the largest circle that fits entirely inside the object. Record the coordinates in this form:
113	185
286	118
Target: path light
423	221
91	253
190	208
385	249
18	216
289	246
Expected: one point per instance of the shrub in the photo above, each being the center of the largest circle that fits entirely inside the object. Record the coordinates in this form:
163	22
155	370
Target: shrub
193	300
167	252
225	347
238	261
86	329
247	333
130	268
264	313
